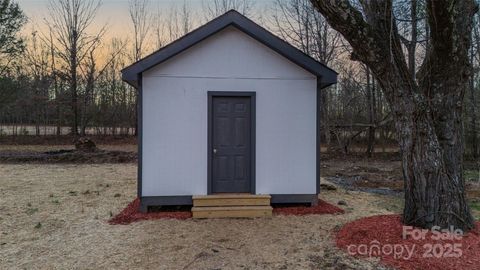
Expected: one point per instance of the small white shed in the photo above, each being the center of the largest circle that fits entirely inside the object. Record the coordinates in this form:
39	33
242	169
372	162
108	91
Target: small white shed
228	108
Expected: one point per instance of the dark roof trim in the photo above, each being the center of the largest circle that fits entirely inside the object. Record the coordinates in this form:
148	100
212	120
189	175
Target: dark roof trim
232	18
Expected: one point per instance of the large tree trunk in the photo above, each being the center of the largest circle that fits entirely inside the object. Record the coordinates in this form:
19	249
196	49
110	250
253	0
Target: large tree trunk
434	186
427	111
473	107
473	121
412	45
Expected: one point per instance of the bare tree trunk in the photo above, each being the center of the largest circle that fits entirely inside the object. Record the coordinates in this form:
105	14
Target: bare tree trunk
298	22
55	84
325	116
371	114
73	86
473	122
413	42
139	14
70	20
427	114
473	110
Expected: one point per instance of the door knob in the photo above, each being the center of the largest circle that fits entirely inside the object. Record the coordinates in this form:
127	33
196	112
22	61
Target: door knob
214	150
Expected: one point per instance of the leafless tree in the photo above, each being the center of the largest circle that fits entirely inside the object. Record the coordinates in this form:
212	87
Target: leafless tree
140	16
215	8
298	22
179	21
37	63
427	111
115	94
53	69
158	29
70	22
186	18
372	111
141	19
406	12
92	73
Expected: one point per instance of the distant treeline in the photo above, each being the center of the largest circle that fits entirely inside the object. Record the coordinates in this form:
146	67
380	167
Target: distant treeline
69	76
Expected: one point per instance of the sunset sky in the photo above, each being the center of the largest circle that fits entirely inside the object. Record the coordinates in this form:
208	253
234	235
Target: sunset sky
114	13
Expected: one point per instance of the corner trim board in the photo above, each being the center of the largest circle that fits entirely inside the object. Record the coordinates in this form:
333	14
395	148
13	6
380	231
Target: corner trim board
139	136
318	131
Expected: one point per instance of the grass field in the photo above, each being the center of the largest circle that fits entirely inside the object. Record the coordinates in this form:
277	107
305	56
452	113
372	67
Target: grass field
55	216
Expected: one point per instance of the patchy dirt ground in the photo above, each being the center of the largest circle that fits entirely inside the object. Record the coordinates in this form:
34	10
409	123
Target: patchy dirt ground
61	149
53	140
55	216
67	154
12	148
383	175
363	173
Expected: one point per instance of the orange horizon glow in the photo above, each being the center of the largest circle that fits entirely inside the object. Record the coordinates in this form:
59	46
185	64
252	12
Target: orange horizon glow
114	15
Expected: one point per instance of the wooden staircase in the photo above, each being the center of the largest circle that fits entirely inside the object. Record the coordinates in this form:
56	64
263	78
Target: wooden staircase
231	206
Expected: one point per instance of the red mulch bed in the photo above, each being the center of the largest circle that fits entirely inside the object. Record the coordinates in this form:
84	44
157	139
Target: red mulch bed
388	231
322	208
132	214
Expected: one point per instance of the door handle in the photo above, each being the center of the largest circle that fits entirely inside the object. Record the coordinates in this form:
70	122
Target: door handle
214	150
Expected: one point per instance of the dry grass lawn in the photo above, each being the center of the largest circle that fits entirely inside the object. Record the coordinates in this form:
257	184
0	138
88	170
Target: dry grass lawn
55	216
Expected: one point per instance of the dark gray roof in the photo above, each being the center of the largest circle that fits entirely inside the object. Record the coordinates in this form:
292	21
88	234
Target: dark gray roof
232	18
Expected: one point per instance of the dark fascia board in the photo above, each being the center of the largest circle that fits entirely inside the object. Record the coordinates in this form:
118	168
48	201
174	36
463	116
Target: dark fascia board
147	201
231	18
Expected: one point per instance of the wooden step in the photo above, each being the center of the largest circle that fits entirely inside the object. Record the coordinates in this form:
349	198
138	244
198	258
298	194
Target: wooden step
231	200
232	212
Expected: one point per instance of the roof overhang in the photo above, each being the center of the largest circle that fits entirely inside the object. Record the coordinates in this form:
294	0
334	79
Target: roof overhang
326	75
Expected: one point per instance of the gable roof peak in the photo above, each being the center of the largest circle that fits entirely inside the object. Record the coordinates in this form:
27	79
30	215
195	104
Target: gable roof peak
327	76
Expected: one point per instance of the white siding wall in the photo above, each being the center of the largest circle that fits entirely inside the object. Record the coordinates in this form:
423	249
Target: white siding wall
175	116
